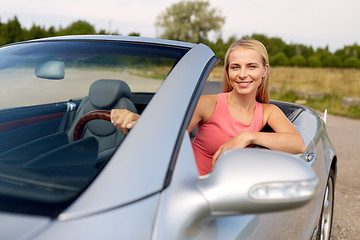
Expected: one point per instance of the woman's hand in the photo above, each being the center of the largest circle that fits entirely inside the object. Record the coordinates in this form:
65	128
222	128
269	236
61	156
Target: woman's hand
239	141
123	119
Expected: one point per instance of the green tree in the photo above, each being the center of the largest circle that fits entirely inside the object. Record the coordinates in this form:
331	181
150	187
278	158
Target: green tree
290	50
314	61
323	53
273	45
348	52
134	34
279	59
332	61
51	31
306	51
220	47
352	62
78	28
189	21
11	32
102	32
36	32
298	61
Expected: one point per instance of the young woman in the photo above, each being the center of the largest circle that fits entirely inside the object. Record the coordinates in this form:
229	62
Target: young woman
234	118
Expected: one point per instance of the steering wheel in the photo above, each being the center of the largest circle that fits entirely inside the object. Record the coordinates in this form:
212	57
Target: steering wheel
98	114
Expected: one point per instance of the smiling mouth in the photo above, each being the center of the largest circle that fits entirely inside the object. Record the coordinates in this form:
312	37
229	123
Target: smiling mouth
244	84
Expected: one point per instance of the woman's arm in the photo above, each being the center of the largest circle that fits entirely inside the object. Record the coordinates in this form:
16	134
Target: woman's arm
203	111
124	119
285	137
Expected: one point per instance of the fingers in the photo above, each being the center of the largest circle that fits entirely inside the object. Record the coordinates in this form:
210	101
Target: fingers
130	124
240	141
214	159
117	118
213	162
123	119
226	146
217	155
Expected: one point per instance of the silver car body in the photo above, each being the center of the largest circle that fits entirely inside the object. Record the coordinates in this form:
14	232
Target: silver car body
150	188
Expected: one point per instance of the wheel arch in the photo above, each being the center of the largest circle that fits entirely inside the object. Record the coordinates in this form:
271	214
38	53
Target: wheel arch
334	167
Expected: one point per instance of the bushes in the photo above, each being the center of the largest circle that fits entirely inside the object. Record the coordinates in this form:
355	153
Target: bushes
314	61
352	62
325	60
280	59
332	61
12	31
298	61
282	54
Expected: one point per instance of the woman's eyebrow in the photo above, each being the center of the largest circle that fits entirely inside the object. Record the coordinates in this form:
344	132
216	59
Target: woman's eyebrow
252	63
247	64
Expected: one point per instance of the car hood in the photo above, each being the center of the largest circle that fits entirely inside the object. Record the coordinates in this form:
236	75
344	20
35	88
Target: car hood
140	213
19	226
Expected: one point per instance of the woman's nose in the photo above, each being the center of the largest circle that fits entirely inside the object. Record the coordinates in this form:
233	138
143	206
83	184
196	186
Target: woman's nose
243	73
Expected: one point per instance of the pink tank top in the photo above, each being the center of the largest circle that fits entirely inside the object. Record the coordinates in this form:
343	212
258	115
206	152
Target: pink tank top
220	128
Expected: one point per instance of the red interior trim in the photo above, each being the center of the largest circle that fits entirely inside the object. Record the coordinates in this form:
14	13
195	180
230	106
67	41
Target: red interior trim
7	126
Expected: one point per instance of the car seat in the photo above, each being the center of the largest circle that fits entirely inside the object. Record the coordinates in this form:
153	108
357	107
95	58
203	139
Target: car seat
104	94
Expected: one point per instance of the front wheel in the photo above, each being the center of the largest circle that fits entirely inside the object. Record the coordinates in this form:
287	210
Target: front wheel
324	227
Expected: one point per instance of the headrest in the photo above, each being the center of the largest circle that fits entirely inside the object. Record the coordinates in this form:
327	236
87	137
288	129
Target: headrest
105	93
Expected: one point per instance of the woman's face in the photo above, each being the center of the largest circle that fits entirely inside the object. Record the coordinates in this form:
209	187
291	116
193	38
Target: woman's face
245	70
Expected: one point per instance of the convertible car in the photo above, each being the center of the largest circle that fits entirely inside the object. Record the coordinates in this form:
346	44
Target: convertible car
67	173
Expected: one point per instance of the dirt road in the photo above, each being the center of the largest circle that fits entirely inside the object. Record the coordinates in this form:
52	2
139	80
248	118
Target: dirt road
345	135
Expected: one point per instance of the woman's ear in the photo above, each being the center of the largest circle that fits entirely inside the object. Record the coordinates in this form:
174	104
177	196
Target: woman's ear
266	70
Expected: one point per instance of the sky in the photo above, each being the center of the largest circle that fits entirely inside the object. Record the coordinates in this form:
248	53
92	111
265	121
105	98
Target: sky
316	23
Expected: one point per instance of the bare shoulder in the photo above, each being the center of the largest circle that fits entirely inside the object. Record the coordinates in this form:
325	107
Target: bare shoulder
269	108
203	111
206	106
276	118
208	99
271	111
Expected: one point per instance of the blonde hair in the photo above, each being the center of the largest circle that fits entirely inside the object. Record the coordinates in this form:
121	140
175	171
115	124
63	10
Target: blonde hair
262	94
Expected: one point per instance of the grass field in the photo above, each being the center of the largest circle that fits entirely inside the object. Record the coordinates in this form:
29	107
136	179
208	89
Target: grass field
319	88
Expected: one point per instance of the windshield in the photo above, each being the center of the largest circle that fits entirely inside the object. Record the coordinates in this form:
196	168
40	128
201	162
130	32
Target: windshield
143	67
45	90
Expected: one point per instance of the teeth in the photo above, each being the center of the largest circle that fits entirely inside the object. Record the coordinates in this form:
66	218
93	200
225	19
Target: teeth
243	83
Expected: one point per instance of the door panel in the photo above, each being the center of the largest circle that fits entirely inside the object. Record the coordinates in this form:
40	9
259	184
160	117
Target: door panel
20	125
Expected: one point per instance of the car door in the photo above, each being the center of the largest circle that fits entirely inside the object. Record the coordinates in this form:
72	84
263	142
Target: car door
182	214
24	124
186	212
298	223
